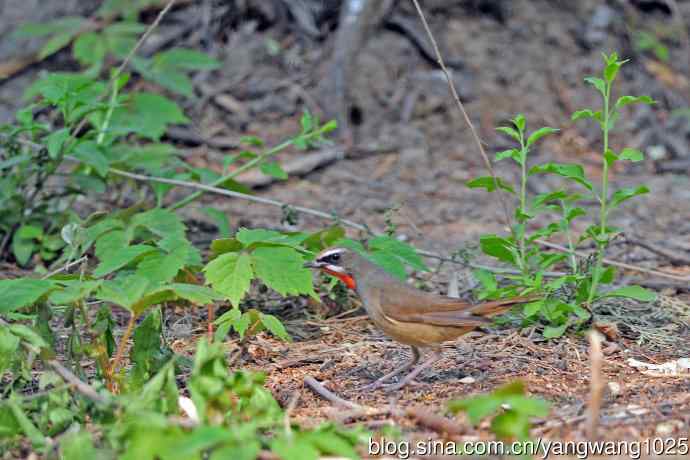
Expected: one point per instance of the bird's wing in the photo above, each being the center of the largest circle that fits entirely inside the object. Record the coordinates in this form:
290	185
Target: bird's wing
411	305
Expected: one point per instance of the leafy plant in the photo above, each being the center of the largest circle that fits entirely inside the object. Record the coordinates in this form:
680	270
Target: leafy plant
565	298
508	406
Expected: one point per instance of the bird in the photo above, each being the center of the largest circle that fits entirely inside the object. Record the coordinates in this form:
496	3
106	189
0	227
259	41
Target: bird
419	319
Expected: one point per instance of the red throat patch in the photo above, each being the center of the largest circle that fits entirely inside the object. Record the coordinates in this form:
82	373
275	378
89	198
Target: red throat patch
347	279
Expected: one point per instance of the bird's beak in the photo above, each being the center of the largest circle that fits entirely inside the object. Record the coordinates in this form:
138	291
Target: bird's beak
313	264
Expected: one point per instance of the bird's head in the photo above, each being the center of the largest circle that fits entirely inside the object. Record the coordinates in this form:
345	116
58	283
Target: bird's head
339	262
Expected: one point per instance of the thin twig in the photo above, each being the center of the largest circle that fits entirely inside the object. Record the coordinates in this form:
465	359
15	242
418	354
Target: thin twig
614	263
233	194
461	107
676	258
320	390
119	354
66	267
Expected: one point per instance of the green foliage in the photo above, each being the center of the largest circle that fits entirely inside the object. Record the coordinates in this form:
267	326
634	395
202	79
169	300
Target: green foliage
509	407
233	416
564	297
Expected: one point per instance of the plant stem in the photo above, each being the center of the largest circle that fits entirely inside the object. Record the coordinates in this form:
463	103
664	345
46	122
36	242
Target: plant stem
523	203
114	366
109	114
601	245
569	236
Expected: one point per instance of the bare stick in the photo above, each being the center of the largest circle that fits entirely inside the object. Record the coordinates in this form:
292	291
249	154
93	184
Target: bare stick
66	267
328	395
614	263
461	107
596	384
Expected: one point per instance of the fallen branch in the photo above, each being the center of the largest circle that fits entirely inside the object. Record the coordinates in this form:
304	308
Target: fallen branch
328	395
596	384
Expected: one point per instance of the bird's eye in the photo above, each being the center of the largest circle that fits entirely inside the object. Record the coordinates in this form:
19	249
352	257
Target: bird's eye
335	257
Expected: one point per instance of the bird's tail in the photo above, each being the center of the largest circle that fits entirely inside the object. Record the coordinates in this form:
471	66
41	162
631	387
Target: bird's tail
496	307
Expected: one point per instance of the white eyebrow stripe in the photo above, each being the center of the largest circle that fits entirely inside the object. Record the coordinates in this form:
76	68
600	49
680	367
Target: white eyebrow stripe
330	252
335	268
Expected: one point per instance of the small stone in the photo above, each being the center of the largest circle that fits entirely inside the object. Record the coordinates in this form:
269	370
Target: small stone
614	388
665	429
467	380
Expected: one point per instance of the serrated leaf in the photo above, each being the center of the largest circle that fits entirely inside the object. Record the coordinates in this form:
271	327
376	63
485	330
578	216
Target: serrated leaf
489	183
161	222
231	275
625	194
115	260
631	154
249	237
198	295
147	114
125	291
22	292
632	292
274	325
73	292
399	249
281	269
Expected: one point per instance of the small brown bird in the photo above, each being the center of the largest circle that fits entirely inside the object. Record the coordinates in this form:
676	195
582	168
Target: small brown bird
408	315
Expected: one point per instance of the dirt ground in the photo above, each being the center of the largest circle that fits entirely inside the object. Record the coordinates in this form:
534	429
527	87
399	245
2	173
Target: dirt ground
413	154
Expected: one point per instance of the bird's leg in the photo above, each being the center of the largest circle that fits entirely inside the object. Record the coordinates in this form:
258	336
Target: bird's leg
377	383
411	376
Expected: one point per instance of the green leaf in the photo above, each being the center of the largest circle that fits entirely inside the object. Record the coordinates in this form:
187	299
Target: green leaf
91	154
632	292
510	153
33	29
511	425
32	433
55	140
124	291
231	275
627	100
625	194
519	122
22	292
477	408
551	332
532	308
584	113
281	269
250	237
187	59
147	114
399	249
9	346
198	295
73	291
486	278
274	325
598	83
489	183
89	49
573	172
498	247
114	260
611	70
508	131
220	219
538	134
631	154
273	169
161	267
55	44
161	222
